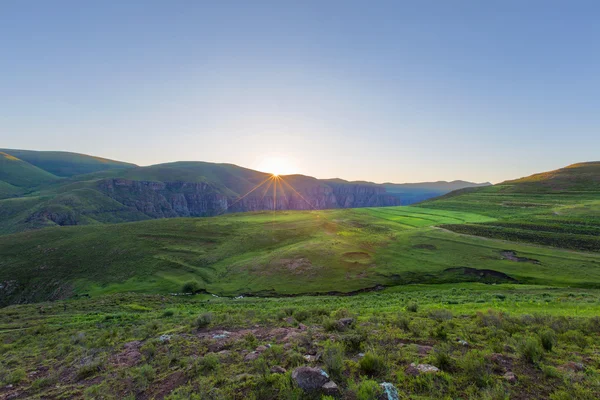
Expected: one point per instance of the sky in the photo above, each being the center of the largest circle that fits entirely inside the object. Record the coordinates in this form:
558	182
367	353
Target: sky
384	91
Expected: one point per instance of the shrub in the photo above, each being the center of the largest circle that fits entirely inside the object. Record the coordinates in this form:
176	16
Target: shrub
204	320
143	375
441	314
530	350
402	322
368	390
548	339
89	369
575	337
168	313
412	307
16	376
352	341
333	357
331	325
190	287
442	358
301	315
474	366
372	364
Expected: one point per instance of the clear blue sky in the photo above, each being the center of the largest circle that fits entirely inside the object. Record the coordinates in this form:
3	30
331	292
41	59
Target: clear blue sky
382	91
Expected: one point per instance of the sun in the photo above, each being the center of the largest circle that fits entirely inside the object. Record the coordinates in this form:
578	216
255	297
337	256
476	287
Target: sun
276	166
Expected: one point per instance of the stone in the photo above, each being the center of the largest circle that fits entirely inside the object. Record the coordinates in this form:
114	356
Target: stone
310	379
418	369
574	366
510	377
330	388
302	327
261	349
390	391
346	323
252	356
310	358
278	370
424	350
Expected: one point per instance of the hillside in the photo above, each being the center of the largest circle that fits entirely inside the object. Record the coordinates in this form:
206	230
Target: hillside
91	190
559	208
15	172
65	164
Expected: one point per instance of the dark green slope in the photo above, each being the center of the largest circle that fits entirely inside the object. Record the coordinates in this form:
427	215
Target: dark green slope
64	164
18	173
559	208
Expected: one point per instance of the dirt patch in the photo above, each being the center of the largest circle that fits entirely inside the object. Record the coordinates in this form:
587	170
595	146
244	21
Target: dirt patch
295	266
482	275
129	357
512	256
424	246
161	389
356	256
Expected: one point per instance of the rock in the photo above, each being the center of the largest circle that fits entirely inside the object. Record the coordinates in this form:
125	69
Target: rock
424	350
390	391
223	335
510	377
462	342
310	379
261	349
252	356
345	323
302	327
501	362
330	388
418	369
310	358
278	370
574	366
164	338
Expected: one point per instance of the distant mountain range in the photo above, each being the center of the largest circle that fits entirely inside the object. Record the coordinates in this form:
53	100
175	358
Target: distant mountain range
40	189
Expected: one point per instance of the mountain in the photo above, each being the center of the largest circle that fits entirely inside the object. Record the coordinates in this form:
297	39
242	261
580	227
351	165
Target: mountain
410	193
78	189
65	164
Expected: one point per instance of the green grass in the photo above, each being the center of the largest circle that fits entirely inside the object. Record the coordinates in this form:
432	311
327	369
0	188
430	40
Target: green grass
276	253
18	173
142	346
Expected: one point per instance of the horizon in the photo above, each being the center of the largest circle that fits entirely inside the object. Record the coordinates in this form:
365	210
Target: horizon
395	92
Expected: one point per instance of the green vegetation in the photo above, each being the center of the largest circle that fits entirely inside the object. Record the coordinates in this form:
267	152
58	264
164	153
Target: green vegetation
558	208
17	173
248	348
276	253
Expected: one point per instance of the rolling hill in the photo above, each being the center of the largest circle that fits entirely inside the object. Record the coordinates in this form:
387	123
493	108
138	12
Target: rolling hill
558	208
479	234
84	190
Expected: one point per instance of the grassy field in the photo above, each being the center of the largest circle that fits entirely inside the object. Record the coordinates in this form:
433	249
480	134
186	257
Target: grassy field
492	342
280	253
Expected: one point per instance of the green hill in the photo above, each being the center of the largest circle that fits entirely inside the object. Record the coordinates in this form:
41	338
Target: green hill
18	173
65	164
559	208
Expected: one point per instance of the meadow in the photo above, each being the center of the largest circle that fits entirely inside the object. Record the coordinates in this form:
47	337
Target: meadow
485	341
282	253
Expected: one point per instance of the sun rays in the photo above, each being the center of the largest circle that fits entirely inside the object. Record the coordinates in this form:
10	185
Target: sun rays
276	185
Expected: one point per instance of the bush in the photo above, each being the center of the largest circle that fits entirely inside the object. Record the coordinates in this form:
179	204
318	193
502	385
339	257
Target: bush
331	325
168	313
441	314
442	358
372	364
89	369
204	320
402	322
190	287
412	307
474	366
352	341
368	390
143	375
333	357
548	339
16	376
531	350
575	337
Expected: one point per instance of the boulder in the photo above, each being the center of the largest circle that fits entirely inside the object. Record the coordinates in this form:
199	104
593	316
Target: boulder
278	370
345	323
330	389
310	379
252	356
510	377
261	349
389	392
418	369
424	350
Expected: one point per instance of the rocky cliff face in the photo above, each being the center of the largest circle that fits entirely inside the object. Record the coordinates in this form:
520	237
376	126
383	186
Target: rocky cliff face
184	199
